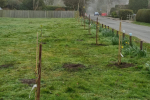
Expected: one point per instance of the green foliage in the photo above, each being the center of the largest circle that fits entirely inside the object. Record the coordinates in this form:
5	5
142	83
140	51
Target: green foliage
134	51
86	21
2	3
147	66
93	26
107	33
115	40
124	12
55	7
143	15
114	14
135	5
112	10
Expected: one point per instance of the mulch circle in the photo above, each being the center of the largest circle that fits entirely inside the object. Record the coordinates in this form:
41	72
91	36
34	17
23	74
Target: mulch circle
79	40
28	81
73	66
122	65
99	44
6	66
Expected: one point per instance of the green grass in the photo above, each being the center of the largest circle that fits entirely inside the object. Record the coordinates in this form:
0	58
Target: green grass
141	23
66	41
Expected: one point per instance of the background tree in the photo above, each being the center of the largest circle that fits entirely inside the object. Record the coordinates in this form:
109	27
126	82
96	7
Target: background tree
135	5
33	4
74	4
48	2
2	3
13	4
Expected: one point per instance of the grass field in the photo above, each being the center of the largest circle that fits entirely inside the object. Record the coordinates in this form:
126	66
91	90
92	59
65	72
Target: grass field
66	41
141	23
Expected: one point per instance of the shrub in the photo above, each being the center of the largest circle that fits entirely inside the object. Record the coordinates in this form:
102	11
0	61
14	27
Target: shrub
134	51
135	5
107	33
112	10
115	41
124	12
143	15
114	14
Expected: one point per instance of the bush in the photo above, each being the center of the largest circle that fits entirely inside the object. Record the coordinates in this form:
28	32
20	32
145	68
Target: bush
143	15
114	14
124	12
107	33
115	41
134	51
135	5
112	10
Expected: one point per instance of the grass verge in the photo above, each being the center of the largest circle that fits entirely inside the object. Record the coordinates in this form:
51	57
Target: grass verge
66	41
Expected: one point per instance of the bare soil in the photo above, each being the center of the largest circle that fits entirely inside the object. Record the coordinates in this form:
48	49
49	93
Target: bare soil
28	81
71	66
6	66
122	65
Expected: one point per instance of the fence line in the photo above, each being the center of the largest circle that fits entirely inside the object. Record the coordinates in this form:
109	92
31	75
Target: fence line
37	14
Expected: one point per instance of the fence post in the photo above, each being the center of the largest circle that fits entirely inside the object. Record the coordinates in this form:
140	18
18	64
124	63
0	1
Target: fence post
89	25
96	30
102	25
105	26
141	45
117	33
84	21
123	36
108	27
130	40
39	73
112	30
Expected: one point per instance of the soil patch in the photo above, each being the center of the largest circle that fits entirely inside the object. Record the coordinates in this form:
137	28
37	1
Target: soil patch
122	65
6	66
28	81
98	44
71	66
79	40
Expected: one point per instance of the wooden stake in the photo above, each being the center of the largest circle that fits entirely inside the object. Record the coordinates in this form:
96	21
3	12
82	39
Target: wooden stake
119	48
97	31
84	21
141	45
89	25
39	73
36	66
130	38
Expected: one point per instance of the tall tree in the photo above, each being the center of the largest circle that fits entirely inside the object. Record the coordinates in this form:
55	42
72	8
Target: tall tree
33	4
74	4
135	5
2	3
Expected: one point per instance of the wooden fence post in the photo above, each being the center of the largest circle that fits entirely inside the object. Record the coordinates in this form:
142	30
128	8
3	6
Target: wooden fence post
89	25
141	45
96	31
117	33
39	73
123	36
130	38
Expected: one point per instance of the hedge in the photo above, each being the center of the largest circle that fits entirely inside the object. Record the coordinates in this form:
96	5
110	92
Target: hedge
143	15
124	12
135	5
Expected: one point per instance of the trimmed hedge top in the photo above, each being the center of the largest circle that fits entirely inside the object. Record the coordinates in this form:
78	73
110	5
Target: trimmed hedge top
124	12
143	15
